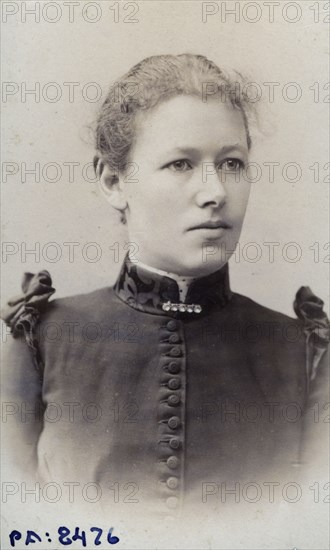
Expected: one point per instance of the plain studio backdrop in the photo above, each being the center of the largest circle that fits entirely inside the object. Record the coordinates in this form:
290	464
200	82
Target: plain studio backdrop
71	54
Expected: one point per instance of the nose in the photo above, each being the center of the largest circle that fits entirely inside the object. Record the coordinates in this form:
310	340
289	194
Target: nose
211	191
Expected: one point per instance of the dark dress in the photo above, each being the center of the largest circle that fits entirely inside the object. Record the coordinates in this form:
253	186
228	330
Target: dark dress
124	389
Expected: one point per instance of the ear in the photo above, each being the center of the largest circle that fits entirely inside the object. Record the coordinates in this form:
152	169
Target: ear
111	186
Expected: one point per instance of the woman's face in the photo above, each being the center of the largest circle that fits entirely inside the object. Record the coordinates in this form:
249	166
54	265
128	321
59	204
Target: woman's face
186	209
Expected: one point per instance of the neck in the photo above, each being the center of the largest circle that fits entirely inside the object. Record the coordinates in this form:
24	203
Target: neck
182	281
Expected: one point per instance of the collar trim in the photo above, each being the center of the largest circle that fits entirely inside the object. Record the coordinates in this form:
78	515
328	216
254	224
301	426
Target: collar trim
149	291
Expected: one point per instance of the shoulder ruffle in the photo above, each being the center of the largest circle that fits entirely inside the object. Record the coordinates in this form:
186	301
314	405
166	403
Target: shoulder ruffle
309	308
22	312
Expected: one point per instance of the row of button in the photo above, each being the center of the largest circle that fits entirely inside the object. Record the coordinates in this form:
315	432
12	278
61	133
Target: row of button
174	423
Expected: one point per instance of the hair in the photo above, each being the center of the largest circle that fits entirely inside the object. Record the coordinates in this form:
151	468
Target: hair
151	81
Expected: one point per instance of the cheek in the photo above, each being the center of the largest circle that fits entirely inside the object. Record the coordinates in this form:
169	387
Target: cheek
238	197
147	209
245	196
138	196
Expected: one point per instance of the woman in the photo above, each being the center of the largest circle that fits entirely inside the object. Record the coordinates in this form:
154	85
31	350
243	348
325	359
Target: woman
169	379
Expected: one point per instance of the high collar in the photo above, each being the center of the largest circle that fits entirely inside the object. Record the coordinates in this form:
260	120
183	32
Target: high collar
148	291
182	282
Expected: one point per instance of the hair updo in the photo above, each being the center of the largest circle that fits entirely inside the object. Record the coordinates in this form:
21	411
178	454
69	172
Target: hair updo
151	81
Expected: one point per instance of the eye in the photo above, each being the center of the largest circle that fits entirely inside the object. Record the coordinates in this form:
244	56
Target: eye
181	165
231	165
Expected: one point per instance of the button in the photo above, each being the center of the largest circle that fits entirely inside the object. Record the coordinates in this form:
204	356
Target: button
174	338
174	367
174	443
175	352
172	482
172	462
172	325
174	383
173	400
172	502
174	422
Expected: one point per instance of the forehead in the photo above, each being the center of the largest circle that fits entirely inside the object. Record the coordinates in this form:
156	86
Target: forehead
188	121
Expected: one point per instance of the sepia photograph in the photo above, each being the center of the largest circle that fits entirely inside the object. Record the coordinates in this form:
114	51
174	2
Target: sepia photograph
165	275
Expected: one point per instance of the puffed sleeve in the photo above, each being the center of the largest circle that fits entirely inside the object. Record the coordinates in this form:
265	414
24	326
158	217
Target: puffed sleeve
21	374
315	441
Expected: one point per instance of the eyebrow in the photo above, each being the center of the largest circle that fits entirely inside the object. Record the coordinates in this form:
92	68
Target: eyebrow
192	151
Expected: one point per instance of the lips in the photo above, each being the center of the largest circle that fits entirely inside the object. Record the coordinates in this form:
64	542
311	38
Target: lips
211	224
